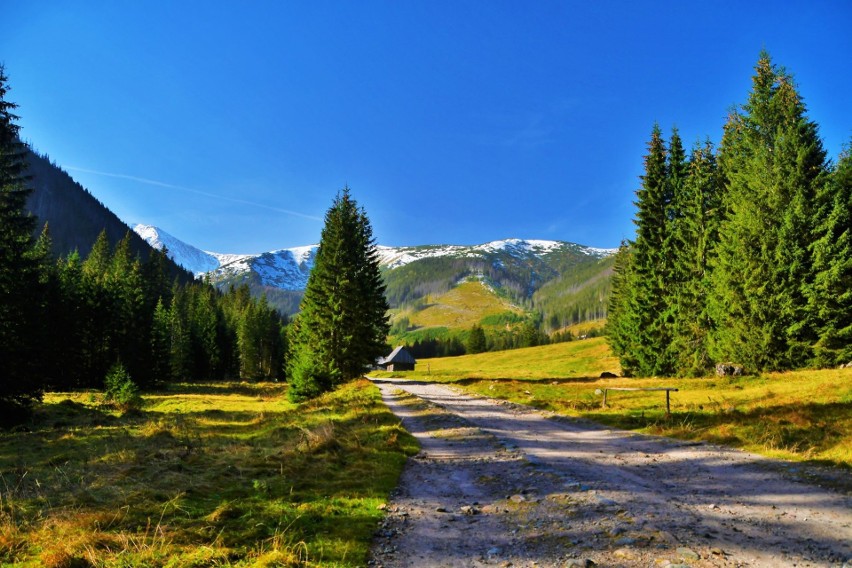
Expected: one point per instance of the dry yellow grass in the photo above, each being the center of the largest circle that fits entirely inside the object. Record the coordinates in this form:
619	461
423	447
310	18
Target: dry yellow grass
461	307
801	415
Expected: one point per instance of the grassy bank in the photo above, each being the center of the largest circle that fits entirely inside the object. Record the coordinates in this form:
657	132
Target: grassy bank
213	474
803	416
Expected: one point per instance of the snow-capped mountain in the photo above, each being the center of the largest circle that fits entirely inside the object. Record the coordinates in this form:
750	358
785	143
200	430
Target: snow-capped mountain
519	267
395	257
285	269
195	260
289	268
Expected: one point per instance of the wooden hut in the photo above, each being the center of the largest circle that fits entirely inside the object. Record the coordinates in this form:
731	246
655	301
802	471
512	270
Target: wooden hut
399	360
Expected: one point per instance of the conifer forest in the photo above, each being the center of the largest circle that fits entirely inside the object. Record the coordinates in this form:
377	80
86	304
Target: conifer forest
743	253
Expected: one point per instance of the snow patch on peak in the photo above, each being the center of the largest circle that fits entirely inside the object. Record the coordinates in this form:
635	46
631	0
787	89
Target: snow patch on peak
195	260
394	257
287	269
521	245
150	234
599	252
304	254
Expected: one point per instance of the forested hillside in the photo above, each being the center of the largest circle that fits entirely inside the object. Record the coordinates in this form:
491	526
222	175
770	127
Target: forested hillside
285	301
577	295
74	215
545	286
120	315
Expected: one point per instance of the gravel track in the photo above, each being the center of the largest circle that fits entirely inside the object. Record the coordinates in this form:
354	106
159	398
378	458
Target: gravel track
497	484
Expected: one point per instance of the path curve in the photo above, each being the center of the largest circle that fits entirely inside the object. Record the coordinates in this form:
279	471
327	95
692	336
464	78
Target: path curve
497	484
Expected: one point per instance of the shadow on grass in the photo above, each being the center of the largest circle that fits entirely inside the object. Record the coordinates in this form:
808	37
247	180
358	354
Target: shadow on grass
224	388
467	381
551	381
804	430
217	478
579	455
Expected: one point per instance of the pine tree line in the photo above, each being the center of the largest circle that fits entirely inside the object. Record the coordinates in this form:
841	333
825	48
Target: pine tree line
112	307
742	255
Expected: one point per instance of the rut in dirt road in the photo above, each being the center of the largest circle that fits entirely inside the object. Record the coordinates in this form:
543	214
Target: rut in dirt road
503	485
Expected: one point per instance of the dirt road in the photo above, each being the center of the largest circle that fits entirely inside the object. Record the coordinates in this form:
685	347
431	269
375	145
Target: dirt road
500	485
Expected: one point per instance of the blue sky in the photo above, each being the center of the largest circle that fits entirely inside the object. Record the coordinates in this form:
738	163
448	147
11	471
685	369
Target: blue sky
232	125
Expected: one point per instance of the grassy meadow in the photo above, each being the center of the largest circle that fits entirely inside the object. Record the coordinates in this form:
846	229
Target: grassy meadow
231	474
202	475
801	416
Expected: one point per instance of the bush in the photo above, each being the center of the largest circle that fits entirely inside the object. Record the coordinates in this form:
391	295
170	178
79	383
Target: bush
308	378
120	389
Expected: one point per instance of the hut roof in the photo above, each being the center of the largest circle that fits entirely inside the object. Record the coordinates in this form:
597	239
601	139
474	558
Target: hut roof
399	355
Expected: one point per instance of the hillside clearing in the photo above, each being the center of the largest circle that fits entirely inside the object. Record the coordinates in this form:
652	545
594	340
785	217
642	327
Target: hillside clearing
461	307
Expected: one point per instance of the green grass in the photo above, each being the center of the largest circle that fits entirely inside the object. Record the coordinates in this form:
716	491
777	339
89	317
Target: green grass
587	358
801	416
204	475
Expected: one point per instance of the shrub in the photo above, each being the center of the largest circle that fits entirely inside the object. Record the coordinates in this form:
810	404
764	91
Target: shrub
308	378
120	389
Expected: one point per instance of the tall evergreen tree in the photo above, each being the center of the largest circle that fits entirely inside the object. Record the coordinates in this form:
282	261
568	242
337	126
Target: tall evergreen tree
49	300
650	266
180	338
831	292
343	323
160	367
71	318
773	165
669	287
19	277
129	322
694	233
622	327
99	339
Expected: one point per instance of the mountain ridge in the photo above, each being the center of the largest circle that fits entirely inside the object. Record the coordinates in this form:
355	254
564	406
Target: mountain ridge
74	216
517	269
200	262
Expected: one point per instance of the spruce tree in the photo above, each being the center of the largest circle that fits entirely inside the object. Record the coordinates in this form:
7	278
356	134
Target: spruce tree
343	323
19	278
650	264
130	322
694	234
99	341
476	342
773	166
160	367
830	294
669	287
180	339
48	307
622	326
72	317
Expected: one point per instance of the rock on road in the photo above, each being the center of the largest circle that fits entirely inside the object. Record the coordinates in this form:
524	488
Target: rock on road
497	484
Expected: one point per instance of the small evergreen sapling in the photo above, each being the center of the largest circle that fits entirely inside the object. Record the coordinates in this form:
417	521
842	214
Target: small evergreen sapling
120	389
